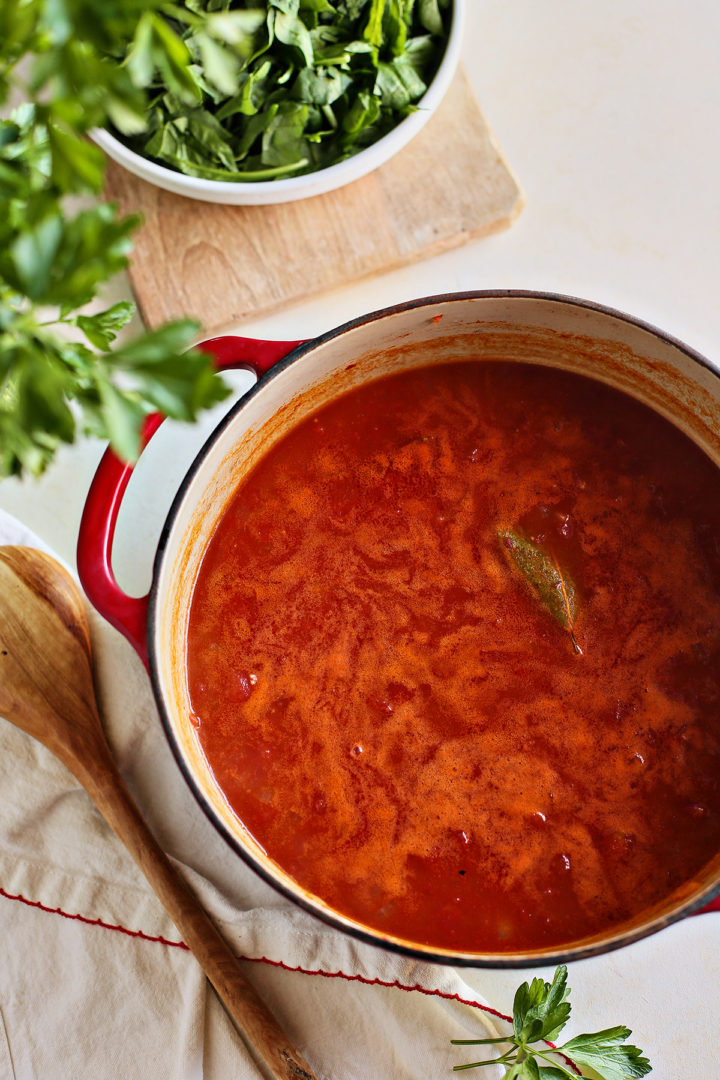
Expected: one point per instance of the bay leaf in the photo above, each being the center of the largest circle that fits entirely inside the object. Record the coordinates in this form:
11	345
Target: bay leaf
550	584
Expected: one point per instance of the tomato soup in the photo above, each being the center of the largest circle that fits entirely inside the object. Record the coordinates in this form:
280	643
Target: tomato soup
454	656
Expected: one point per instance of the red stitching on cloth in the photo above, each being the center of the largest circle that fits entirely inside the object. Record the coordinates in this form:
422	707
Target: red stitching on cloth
254	959
265	960
92	922
379	982
400	986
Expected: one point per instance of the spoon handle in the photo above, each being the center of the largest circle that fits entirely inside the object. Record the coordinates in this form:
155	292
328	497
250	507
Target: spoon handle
46	689
101	779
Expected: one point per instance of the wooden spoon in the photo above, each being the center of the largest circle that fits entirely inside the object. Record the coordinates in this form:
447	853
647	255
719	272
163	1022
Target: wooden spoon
46	688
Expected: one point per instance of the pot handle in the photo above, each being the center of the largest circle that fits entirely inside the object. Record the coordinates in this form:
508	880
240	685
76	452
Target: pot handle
128	614
714	905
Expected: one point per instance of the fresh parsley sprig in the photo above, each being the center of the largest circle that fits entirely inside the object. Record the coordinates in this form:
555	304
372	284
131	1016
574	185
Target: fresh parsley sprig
540	1012
60	369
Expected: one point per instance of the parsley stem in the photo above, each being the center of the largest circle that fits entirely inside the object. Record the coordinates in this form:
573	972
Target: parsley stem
503	1060
481	1042
181	14
472	1065
555	1064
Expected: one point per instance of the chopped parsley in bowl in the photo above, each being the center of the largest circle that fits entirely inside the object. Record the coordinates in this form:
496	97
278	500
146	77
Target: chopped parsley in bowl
276	101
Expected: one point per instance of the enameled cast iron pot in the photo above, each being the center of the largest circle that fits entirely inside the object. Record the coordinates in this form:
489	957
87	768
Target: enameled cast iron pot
294	378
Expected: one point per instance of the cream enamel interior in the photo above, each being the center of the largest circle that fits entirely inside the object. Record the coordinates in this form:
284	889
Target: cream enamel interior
539	329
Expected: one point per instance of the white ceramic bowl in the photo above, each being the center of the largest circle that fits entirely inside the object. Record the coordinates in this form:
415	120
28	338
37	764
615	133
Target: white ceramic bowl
255	193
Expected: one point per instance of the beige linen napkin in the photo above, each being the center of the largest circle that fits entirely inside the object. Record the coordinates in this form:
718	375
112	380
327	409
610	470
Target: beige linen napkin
95	982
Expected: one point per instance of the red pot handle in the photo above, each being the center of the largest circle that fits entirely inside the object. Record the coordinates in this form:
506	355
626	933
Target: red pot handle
102	506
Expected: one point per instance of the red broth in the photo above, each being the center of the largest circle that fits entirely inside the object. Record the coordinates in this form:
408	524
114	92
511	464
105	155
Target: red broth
393	712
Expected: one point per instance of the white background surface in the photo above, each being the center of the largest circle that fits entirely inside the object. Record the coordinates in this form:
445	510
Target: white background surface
609	115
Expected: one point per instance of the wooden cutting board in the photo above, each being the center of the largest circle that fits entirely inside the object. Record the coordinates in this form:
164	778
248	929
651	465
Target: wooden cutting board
222	264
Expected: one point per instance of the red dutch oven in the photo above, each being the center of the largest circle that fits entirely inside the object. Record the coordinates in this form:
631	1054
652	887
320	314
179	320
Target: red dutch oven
294	379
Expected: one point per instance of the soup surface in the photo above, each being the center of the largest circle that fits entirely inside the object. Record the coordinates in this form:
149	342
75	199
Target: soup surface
382	669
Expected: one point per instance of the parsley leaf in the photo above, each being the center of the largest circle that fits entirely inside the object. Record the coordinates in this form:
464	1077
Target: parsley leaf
540	1011
605	1052
102	328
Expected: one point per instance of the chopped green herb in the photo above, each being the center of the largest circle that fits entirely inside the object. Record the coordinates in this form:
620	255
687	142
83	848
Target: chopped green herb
279	88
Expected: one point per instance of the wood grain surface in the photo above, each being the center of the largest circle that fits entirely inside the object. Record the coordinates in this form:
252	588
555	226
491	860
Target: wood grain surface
222	264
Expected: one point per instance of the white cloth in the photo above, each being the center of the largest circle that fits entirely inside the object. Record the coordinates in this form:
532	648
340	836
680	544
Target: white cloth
94	983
